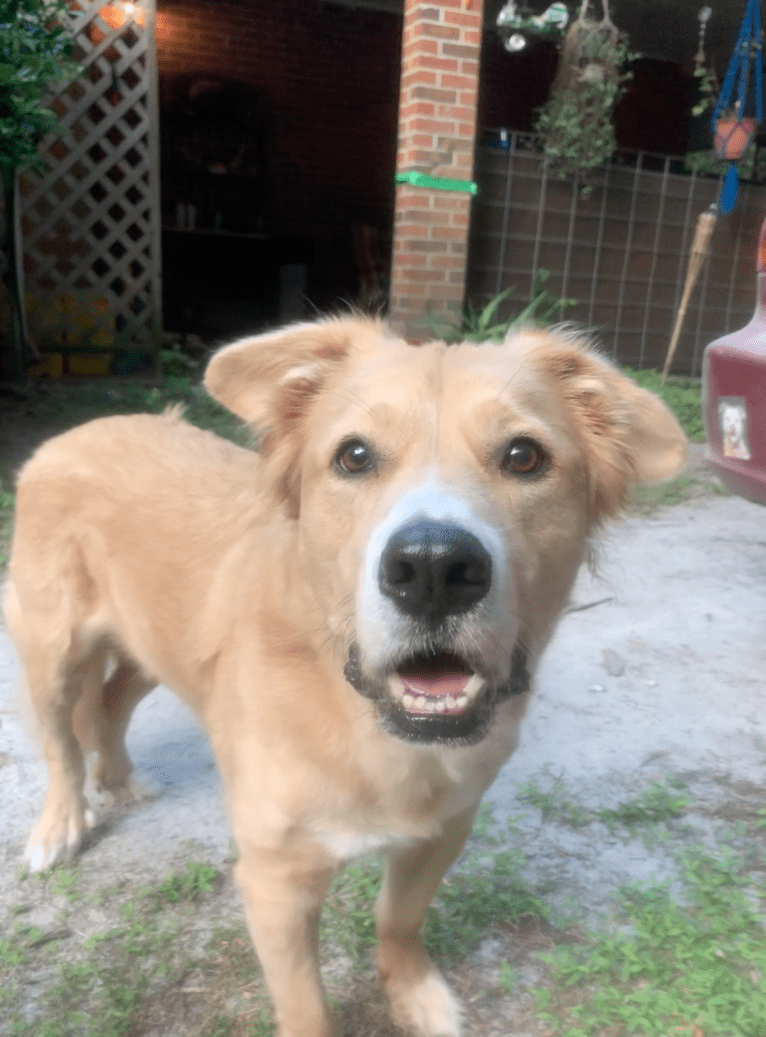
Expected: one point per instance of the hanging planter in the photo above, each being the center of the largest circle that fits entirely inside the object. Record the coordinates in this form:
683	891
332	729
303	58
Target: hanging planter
576	121
733	136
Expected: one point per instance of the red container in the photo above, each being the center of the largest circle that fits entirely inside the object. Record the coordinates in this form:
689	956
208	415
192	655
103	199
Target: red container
734	399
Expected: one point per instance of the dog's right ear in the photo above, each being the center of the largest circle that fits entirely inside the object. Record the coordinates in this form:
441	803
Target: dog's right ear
269	380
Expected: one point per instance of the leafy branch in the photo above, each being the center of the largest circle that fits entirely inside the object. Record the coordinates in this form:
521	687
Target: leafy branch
35	51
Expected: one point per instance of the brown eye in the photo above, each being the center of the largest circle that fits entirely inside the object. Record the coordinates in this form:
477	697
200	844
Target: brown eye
523	457
354	457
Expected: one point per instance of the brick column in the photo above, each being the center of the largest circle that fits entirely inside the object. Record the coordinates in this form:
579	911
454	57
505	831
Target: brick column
437	128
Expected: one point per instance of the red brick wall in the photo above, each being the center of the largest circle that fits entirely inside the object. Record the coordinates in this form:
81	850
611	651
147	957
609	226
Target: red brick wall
330	76
439	84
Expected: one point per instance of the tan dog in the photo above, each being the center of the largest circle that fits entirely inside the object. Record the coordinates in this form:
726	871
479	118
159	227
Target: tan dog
354	613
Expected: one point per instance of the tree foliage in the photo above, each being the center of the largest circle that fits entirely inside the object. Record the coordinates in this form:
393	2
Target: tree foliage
35	52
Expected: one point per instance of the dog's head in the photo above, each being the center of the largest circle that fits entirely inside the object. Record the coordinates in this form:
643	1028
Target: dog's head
732	421
443	496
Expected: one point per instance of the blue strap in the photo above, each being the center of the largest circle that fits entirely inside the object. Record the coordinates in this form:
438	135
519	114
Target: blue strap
738	73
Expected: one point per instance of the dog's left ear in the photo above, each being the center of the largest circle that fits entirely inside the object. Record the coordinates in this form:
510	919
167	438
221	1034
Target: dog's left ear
628	434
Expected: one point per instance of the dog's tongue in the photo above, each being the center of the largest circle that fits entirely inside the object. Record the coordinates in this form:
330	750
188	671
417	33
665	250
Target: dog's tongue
436	677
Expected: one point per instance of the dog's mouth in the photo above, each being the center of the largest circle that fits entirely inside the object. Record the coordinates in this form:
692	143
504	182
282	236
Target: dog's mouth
437	697
441	684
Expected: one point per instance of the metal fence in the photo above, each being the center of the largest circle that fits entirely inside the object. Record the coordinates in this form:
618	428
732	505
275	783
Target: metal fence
620	249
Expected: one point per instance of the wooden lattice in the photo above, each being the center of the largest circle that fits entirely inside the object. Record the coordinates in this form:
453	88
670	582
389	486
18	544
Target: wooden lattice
91	221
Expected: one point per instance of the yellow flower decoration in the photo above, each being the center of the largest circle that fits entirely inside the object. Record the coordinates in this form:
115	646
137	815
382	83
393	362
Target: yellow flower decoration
85	319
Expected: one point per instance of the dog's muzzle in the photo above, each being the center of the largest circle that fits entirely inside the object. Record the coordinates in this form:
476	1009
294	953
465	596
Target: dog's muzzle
437	576
416	701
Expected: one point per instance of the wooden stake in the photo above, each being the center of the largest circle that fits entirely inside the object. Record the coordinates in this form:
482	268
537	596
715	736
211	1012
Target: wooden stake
700	245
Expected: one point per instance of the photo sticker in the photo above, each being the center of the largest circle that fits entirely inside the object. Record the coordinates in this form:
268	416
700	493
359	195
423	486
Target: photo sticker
732	415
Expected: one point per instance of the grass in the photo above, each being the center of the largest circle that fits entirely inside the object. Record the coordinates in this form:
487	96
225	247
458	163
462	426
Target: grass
695	968
660	801
6	523
108	984
174	957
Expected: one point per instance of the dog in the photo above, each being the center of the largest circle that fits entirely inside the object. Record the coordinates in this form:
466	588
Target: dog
355	612
733	420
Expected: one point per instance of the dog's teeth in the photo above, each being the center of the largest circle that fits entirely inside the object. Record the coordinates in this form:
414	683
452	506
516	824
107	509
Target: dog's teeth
449	702
421	703
461	702
408	701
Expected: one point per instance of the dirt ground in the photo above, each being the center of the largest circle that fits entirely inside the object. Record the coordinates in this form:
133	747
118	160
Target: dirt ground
658	670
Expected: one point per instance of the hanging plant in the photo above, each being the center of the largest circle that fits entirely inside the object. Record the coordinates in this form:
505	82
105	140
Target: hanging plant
733	132
576	121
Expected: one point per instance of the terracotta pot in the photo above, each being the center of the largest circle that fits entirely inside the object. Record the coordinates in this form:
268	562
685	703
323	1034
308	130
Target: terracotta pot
732	137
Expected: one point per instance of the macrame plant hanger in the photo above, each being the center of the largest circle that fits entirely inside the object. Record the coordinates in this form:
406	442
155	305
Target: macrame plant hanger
747	51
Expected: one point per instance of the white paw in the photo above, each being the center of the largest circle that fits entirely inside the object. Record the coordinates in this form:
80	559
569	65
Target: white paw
42	852
428	1009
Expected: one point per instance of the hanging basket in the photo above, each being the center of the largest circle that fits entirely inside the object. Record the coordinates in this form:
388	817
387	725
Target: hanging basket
733	136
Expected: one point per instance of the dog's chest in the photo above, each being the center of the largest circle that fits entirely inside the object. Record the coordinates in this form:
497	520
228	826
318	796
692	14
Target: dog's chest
403	814
347	844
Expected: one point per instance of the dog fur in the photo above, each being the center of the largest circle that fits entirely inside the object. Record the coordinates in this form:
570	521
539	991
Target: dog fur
260	587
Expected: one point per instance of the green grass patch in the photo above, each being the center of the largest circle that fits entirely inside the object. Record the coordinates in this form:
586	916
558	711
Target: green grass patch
553	804
7	502
647	499
699	964
64	406
189	885
659	802
111	983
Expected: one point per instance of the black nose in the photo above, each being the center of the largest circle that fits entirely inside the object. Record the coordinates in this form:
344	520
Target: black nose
431	570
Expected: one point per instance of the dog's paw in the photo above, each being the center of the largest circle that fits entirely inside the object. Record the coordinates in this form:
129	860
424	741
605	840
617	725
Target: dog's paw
129	792
56	841
426	1008
132	792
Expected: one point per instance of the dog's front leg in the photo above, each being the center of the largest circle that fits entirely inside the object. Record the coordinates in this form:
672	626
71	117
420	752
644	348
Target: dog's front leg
421	1001
283	901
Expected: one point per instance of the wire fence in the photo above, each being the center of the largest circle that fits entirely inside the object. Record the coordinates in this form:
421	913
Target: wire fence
619	246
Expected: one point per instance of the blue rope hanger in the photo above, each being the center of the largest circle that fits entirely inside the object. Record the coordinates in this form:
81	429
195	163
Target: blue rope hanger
737	80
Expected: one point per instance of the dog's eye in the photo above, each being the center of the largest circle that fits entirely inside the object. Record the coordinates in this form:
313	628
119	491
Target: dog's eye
523	457
354	457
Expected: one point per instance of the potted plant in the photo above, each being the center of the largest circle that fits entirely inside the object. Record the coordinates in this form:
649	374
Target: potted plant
576	121
733	131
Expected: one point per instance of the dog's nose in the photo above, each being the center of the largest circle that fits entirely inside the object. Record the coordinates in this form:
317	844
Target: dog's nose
431	570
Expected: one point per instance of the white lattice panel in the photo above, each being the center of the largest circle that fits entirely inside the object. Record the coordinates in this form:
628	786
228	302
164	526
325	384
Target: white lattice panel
91	222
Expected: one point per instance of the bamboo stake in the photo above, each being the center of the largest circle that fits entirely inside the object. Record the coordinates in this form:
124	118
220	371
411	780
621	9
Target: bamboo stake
700	245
